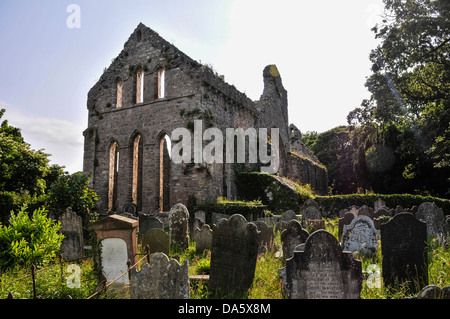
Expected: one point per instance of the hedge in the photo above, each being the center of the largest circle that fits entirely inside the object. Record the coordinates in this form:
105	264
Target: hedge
338	202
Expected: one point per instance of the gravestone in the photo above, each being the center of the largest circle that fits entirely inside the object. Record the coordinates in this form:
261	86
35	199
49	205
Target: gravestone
360	235
72	246
158	241
160	279
130	208
354	210
114	259
203	238
322	270
179	226
280	226
309	213
311	202
383	211
434	217
266	237
366	211
119	227
216	217
345	220
233	257
288	215
147	222
404	252
292	236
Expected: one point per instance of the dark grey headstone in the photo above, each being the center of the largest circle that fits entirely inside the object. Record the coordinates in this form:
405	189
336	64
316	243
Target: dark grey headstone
309	213
233	257
203	238
72	246
130	208
434	217
404	252
157	240
322	270
292	236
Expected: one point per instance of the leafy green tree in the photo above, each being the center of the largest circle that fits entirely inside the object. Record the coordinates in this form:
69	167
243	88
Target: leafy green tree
29	240
410	95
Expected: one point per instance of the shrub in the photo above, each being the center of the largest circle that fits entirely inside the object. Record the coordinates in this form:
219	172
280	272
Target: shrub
29	240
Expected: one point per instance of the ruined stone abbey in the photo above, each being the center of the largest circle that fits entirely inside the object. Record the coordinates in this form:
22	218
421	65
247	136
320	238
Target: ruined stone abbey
150	89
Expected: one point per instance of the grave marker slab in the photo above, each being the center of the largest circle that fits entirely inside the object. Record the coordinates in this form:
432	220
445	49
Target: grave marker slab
434	218
179	226
361	235
309	213
404	251
203	238
322	270
266	237
233	256
160	279
72	246
158	241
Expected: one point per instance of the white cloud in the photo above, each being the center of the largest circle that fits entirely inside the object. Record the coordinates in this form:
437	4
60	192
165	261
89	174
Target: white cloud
62	139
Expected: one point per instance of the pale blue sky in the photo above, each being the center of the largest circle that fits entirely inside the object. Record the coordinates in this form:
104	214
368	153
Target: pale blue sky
321	49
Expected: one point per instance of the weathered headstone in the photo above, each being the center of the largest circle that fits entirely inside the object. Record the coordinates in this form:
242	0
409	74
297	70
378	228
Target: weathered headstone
311	202
160	279
288	215
233	257
216	217
158	241
309	213
179	226
147	222
434	217
292	236
383	211
360	235
404	252
280	226
354	210
203	238
72	246
366	211
322	270
266	237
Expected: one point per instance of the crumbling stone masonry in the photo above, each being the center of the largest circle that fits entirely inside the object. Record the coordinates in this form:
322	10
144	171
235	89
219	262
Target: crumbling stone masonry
152	88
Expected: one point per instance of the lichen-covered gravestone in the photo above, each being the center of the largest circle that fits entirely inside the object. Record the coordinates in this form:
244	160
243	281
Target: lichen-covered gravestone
72	246
310	212
233	257
179	226
322	270
434	218
360	235
404	252
292	236
160	279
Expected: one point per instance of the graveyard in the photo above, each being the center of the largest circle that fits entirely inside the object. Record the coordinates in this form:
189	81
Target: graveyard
362	253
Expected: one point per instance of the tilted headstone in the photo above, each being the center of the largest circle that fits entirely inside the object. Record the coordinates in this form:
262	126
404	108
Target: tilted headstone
361	236
404	252
72	246
266	237
160	279
434	217
158	241
322	270
233	256
203	238
292	236
309	213
179	226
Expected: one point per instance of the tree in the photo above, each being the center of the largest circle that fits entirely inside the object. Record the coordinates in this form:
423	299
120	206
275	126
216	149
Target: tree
29	240
410	94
